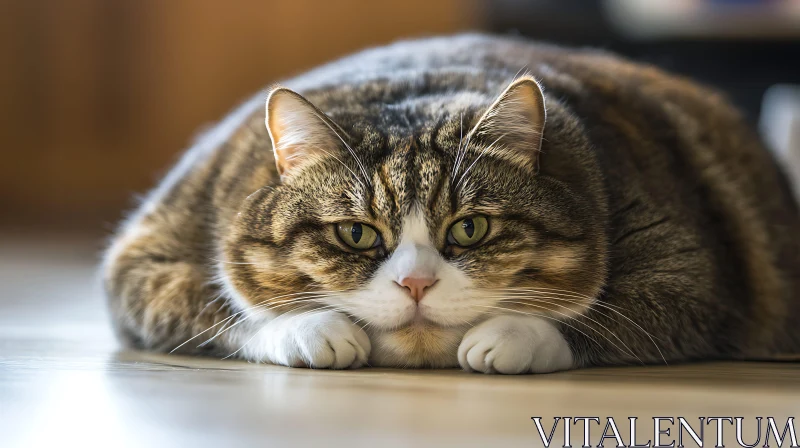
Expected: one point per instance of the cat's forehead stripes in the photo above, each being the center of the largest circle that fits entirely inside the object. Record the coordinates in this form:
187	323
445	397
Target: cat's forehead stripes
398	169
412	180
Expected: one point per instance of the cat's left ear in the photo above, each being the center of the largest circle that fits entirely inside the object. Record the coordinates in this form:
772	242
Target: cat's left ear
513	125
299	131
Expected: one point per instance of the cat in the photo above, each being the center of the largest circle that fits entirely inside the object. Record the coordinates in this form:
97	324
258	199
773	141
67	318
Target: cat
485	202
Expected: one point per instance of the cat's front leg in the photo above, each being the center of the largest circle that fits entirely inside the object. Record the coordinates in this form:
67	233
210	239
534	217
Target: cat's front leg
514	344
316	339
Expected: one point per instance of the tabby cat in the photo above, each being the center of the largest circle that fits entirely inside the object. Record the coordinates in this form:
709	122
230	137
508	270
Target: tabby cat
474	201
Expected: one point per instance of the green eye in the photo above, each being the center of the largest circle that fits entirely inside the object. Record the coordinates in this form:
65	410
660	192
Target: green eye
357	235
468	231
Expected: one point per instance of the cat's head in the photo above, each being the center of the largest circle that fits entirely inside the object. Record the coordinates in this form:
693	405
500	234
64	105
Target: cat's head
420	229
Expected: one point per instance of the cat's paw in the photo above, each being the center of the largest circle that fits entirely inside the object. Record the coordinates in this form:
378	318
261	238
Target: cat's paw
514	344
320	340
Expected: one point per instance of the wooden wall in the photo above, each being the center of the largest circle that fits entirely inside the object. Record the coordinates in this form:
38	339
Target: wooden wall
99	96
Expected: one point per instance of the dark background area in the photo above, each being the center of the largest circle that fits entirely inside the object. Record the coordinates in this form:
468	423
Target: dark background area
742	61
99	97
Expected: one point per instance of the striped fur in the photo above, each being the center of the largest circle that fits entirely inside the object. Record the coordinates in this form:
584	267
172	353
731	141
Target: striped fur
643	194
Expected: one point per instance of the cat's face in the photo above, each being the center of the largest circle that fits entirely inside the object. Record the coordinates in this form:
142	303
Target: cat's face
416	237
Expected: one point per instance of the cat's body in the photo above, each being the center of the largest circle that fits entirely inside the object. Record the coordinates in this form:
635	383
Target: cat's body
647	224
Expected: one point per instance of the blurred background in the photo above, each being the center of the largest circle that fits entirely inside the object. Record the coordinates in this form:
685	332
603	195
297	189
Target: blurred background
98	97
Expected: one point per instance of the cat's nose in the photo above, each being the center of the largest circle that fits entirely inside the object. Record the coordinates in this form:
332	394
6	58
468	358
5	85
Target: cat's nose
417	286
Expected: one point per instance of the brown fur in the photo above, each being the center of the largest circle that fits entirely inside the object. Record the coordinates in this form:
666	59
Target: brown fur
650	196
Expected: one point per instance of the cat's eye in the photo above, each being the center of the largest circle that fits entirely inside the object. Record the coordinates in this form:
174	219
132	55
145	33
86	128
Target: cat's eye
468	231
358	235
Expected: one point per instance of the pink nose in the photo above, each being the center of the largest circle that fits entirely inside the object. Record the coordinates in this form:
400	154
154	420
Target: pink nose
417	286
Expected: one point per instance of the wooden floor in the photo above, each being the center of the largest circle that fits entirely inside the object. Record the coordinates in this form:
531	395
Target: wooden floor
64	382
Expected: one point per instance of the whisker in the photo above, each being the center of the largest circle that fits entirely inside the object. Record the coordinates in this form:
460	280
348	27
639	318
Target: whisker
288	297
476	160
352	153
471	325
545	296
201	333
631	352
210	302
458	150
234	315
572	296
262	188
260	309
564	292
246	342
355	176
524	67
254	336
359	320
649	336
229	262
603	305
542	316
588	326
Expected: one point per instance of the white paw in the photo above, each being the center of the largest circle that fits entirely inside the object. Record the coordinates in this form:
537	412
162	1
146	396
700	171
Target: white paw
320	340
514	344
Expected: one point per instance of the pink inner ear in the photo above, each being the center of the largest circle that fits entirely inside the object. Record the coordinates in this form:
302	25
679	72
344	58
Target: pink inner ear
297	129
513	125
519	112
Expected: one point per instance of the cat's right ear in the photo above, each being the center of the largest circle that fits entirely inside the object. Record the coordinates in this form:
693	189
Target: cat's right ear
299	131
